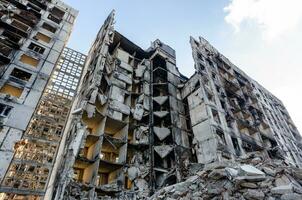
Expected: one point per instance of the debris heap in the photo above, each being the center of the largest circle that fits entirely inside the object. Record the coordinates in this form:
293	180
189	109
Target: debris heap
251	178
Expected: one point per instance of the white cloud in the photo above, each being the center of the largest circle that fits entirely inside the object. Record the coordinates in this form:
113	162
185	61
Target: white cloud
273	17
274	59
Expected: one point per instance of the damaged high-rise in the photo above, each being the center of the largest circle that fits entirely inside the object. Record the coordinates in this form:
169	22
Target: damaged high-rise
35	153
33	34
137	123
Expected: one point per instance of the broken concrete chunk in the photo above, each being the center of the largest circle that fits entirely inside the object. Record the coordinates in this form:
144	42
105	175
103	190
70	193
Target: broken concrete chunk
161	133
140	70
93	96
138	112
232	173
161	114
160	99
283	189
217	174
292	196
140	135
249	185
269	171
123	77
141	98
254	194
118	106
102	98
132	173
249	170
126	66
90	109
283	180
141	184
163	150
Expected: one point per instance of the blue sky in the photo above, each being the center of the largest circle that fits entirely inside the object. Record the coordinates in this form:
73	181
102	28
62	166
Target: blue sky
262	37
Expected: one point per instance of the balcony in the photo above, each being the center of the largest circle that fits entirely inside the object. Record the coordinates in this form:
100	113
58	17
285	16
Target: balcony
40	3
15	26
232	86
5	52
11	39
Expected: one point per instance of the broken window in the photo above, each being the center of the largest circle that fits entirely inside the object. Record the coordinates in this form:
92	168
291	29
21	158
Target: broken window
36	48
5	110
57	12
29	60
18	75
54	19
11	90
39	3
42	37
11	36
49	27
20	25
34	7
5	49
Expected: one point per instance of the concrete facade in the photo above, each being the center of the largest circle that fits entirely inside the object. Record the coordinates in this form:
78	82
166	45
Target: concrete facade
32	36
138	123
233	114
35	153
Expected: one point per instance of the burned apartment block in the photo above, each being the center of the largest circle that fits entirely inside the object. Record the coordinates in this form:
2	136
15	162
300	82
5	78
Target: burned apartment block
129	131
138	123
33	34
35	154
233	115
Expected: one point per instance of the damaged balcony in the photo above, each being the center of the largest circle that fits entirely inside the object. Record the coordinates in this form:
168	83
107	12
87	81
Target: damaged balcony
113	152
11	39
5	52
231	85
109	180
164	165
15	26
12	89
19	76
246	126
95	125
40	3
56	15
89	153
250	144
83	172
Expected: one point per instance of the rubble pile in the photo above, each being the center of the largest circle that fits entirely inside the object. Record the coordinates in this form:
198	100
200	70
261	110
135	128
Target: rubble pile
252	178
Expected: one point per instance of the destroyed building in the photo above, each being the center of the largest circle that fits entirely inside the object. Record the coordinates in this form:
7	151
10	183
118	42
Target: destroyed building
33	34
137	123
